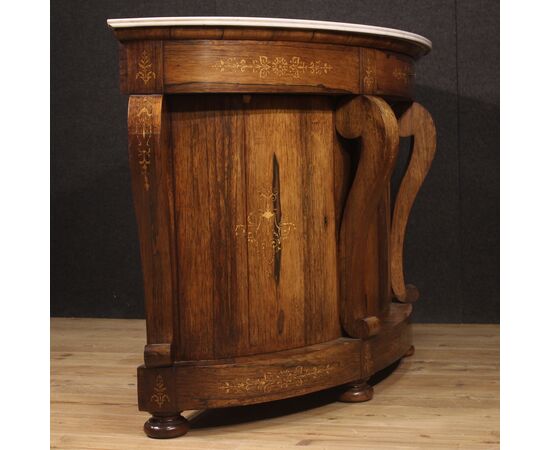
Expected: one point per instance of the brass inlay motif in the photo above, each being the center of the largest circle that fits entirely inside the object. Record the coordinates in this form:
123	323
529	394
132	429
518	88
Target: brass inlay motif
144	132
262	231
159	392
264	66
274	381
402	75
145	72
369	79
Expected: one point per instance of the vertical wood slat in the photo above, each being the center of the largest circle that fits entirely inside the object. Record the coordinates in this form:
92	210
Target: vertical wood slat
210	203
189	130
377	264
228	209
151	171
289	147
255	223
384	223
275	227
319	212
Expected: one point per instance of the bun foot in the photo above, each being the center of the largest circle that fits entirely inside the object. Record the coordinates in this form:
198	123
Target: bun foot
410	352
166	426
358	391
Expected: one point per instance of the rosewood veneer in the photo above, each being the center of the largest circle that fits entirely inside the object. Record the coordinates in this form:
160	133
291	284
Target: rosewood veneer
261	152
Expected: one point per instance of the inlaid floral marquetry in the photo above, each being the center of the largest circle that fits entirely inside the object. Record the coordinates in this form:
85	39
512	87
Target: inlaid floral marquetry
159	392
263	230
402	75
145	72
369	72
369	79
144	133
275	381
280	66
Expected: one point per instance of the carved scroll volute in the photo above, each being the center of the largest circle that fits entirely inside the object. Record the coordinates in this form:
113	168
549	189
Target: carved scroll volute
372	121
418	123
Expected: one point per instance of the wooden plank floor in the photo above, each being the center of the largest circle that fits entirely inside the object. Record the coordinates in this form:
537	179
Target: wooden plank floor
446	396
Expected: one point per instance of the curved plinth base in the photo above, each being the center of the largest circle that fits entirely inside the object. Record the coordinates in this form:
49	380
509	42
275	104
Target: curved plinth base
273	376
166	426
359	391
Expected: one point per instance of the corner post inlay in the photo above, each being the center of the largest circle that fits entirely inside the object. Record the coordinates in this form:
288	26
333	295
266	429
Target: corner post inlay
145	66
151	172
142	67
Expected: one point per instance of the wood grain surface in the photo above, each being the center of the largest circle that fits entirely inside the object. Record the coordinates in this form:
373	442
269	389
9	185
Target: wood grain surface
252	279
372	121
150	160
417	122
263	234
248	280
175	33
275	375
262	66
446	396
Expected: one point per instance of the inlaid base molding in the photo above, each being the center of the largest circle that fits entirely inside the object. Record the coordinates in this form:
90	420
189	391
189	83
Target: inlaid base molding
274	376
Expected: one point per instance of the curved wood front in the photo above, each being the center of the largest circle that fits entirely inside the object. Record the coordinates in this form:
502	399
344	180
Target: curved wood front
262	66
414	49
265	218
274	376
255	223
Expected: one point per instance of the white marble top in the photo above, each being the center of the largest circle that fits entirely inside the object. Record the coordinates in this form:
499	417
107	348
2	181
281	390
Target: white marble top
267	22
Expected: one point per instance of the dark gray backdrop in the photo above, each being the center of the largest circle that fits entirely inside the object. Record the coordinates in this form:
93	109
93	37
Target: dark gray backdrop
452	245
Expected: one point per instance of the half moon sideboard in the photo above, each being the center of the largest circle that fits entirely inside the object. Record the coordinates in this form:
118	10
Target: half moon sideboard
261	152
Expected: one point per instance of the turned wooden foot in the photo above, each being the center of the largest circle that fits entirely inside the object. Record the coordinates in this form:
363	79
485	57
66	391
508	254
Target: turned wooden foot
166	426
410	352
358	391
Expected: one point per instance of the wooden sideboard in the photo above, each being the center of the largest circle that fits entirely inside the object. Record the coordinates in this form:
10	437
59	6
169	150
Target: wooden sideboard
261	152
